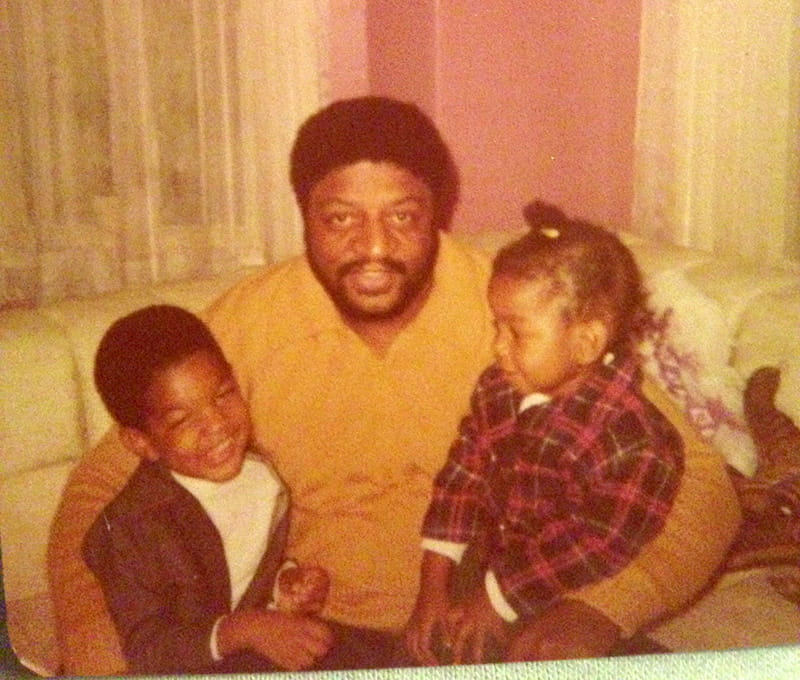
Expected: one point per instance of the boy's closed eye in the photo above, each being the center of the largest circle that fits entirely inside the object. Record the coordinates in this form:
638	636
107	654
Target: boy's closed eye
226	390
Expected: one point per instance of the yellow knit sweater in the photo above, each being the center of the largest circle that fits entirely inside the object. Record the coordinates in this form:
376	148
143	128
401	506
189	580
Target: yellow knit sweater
358	439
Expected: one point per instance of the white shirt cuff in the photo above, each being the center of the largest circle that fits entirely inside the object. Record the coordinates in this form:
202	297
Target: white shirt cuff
455	551
213	641
533	399
287	564
497	599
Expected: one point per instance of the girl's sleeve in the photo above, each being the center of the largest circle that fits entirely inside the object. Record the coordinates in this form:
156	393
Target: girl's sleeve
458	507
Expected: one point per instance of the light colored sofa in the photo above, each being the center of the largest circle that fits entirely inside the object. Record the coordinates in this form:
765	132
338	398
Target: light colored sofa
724	320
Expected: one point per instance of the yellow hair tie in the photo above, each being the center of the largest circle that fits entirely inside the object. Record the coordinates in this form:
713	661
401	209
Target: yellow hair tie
550	232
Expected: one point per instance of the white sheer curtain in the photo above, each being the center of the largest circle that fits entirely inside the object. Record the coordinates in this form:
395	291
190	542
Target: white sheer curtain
282	55
717	158
147	140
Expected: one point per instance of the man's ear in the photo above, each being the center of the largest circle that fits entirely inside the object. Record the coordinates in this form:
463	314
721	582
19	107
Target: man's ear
590	340
137	441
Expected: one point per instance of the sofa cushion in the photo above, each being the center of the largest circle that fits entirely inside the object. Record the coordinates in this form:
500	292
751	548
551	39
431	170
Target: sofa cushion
32	632
28	502
735	285
769	335
655	256
197	294
39	402
744	609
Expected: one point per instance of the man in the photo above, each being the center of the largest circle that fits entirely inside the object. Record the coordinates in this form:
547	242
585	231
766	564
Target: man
357	361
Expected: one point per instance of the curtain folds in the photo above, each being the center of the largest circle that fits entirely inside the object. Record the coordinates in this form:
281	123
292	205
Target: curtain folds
717	155
147	141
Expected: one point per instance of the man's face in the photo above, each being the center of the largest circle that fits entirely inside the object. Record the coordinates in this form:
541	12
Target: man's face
371	240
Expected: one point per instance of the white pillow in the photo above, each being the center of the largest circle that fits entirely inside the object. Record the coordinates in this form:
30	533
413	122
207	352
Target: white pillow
770	336
688	355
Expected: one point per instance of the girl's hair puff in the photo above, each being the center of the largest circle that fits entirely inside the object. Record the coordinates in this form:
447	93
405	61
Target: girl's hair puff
586	264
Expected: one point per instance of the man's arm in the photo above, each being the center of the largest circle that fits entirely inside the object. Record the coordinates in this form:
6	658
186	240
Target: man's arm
666	574
88	641
699	529
627	483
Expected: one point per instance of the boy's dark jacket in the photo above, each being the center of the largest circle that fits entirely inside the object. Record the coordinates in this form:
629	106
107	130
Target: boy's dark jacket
161	563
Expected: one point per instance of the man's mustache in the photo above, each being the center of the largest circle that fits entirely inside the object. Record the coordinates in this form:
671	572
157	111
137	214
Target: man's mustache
385	262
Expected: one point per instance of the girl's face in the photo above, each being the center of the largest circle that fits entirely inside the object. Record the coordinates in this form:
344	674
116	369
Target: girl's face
197	421
537	348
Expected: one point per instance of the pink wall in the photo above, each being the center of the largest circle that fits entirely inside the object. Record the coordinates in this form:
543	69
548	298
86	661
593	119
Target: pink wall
402	51
346	61
536	99
540	102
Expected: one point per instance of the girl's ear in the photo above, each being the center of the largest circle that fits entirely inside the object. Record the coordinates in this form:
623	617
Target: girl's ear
591	338
137	441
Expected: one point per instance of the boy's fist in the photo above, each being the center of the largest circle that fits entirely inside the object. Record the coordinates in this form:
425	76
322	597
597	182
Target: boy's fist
302	590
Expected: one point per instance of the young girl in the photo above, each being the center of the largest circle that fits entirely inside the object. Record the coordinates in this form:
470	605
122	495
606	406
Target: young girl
562	470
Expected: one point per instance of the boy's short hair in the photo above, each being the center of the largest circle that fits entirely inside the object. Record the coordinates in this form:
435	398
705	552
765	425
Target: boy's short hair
375	129
139	346
588	264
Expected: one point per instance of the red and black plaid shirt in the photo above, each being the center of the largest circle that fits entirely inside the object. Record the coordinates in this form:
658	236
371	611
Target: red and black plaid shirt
562	494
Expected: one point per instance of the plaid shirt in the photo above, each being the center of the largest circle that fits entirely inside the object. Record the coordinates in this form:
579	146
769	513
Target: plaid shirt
562	494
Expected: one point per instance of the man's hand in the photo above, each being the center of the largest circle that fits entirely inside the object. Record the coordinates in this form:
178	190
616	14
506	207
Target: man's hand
293	642
569	629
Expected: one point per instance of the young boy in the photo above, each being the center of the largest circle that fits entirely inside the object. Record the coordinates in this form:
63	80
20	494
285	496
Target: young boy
562	470
190	552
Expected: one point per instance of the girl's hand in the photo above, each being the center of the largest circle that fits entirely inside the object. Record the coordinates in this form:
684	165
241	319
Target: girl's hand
426	632
476	629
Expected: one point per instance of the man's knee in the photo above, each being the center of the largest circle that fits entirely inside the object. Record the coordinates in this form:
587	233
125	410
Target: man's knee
567	630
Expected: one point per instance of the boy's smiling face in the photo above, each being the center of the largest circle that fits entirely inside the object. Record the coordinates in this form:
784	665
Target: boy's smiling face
197	422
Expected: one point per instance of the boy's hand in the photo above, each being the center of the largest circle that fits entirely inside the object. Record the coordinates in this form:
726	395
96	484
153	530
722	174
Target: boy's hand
291	641
302	590
476	628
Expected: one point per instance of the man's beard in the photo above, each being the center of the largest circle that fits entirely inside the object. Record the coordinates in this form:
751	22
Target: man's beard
351	311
